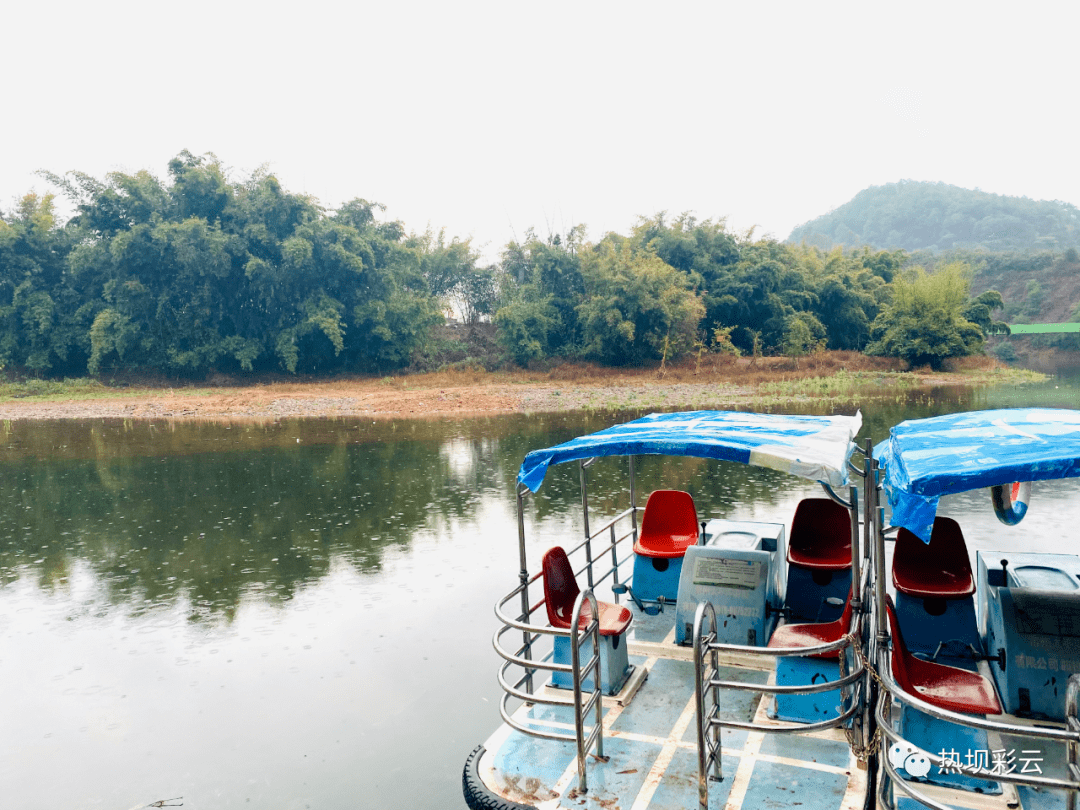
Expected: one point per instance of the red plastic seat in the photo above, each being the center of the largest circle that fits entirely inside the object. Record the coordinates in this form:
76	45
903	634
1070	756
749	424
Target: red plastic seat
820	536
561	590
939	568
669	525
946	687
814	635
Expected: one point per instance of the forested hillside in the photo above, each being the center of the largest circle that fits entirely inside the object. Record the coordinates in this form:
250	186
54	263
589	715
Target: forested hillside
1035	287
935	216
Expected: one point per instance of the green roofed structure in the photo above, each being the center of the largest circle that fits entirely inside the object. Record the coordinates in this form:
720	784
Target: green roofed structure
1042	328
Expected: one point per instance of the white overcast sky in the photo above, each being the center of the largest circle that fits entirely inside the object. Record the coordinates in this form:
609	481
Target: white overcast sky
486	118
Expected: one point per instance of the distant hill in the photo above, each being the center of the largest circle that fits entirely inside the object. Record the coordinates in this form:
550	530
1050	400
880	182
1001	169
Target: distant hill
936	216
1037	286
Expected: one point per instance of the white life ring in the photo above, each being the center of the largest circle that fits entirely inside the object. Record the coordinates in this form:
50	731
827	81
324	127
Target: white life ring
1011	501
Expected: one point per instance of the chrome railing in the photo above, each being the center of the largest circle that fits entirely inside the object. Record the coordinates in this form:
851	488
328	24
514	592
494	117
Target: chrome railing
1069	734
583	738
531	660
852	685
706	680
889	691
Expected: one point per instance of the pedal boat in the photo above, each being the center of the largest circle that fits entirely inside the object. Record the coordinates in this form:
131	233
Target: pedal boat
661	702
976	708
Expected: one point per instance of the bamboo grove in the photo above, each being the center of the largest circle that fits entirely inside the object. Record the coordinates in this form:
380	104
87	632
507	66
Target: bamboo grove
201	273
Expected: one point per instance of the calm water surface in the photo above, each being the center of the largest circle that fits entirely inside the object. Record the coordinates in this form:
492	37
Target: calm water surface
299	614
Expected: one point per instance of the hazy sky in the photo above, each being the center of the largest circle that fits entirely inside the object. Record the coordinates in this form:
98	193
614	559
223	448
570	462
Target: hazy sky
486	118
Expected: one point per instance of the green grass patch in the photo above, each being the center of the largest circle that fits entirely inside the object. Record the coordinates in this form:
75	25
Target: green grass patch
81	388
843	385
859	386
1005	376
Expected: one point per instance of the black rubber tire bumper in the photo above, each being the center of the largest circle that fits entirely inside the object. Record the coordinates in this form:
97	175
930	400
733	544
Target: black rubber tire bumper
477	796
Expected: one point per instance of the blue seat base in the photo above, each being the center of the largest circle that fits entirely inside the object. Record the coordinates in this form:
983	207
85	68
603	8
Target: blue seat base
806	598
614	664
655	577
924	630
803	671
949	743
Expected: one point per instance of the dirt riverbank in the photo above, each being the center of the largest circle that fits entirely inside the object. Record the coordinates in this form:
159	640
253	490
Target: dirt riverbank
734	384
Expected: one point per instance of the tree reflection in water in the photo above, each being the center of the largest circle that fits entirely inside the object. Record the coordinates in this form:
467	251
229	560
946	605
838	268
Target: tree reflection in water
215	513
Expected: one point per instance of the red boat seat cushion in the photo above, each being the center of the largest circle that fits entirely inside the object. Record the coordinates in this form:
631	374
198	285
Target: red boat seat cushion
561	590
669	525
820	536
946	687
813	635
939	568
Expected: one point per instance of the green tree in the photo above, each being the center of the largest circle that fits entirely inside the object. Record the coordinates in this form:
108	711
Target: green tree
754	298
42	319
200	187
846	290
803	334
979	311
925	324
204	272
454	276
638	307
540	285
703	249
528	326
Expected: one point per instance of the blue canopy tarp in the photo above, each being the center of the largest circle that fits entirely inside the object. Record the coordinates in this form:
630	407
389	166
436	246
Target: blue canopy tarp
927	458
814	447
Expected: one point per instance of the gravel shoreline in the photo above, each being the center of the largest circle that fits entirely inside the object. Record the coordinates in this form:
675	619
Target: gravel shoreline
264	404
435	396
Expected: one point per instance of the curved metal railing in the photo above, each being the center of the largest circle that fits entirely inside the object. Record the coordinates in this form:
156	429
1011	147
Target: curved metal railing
706	680
583	738
1069	734
889	691
526	689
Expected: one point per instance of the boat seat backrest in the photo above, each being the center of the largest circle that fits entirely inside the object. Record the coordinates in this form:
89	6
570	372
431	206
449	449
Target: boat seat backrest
820	535
560	587
940	568
669	525
561	591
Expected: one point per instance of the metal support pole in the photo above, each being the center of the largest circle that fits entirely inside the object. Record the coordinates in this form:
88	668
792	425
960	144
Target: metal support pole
856	554
523	578
875	530
614	565
585	512
869	498
879	575
714	715
633	497
1072	749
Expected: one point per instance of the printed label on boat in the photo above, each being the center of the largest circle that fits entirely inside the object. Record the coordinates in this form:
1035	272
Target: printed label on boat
725	573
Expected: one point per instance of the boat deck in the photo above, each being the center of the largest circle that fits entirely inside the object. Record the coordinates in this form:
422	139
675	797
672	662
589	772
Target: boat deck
651	745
